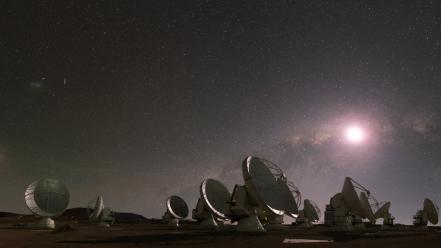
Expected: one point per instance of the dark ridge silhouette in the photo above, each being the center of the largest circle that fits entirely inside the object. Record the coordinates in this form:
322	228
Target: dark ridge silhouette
7	214
81	214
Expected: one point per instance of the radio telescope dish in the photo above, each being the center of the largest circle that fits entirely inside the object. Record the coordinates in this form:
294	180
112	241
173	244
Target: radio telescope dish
100	213
268	188
350	198
347	209
177	209
266	196
309	214
311	210
382	211
428	213
212	204
292	199
368	213
47	198
98	209
336	200
431	210
215	196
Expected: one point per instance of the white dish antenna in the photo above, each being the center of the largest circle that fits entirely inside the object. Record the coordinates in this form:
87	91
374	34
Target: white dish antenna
100	213
212	204
267	184
97	210
177	210
266	196
216	197
47	198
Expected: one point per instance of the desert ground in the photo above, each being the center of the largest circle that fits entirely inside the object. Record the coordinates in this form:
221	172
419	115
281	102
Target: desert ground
149	233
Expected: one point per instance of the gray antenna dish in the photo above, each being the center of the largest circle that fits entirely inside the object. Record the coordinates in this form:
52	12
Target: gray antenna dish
382	211
268	185
311	210
100	213
368	213
266	196
47	198
431	210
97	210
350	198
337	200
346	210
177	209
292	200
429	213
216	196
212	204
309	214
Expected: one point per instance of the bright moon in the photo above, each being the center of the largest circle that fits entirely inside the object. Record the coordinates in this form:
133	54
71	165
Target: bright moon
354	134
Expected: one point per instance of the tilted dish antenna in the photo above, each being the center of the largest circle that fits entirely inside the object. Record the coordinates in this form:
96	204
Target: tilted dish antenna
311	210
382	211
212	204
100	213
431	211
309	214
47	198
268	185
97	210
292	199
350	197
177	210
265	196
347	210
368	212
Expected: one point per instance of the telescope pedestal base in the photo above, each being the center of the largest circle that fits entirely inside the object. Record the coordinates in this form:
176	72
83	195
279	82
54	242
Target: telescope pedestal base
250	224
45	223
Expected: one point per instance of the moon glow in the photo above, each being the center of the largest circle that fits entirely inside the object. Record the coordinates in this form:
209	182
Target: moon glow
354	134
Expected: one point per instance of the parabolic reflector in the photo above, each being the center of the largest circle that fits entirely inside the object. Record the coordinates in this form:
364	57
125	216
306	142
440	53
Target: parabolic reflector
47	197
336	200
98	209
383	211
268	189
216	197
431	210
177	207
350	198
311	210
368	213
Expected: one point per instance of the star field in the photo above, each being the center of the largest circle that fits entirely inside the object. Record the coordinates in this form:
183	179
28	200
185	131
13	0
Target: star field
143	99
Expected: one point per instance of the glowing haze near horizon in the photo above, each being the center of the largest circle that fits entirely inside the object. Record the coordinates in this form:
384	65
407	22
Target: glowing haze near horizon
137	101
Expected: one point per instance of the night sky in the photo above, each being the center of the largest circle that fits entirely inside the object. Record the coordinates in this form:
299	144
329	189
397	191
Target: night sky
138	100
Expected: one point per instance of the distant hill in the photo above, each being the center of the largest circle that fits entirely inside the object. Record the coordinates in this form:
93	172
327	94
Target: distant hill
7	214
81	214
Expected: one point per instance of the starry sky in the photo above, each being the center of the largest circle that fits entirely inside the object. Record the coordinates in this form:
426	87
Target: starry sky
138	100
